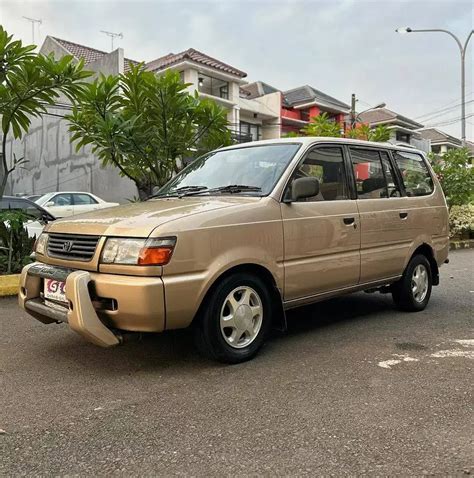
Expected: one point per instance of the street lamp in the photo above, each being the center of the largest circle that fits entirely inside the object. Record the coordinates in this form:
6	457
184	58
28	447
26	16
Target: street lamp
462	50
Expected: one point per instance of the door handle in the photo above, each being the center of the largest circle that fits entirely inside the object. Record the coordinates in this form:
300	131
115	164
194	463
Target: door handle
403	215
349	220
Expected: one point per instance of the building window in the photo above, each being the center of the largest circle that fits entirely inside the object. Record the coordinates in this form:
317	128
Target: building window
404	137
213	86
252	131
224	91
304	115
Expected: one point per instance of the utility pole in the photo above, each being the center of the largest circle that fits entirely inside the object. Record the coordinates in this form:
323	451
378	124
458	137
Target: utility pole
353	110
112	35
33	21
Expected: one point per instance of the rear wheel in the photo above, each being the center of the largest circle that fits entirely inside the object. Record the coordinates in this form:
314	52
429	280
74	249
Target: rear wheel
235	319
412	292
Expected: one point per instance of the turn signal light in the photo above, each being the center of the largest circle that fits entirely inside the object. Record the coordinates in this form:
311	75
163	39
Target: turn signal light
157	252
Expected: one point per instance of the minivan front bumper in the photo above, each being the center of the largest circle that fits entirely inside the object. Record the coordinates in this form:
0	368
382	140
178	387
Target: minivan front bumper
99	305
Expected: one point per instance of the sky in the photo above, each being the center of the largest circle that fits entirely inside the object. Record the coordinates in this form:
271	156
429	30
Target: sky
337	46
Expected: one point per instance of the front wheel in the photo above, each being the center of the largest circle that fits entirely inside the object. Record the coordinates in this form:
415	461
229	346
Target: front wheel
235	319
412	292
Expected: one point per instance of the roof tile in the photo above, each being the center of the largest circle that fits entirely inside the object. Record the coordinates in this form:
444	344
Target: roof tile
198	57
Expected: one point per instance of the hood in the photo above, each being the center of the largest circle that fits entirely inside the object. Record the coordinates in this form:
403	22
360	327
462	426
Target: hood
140	219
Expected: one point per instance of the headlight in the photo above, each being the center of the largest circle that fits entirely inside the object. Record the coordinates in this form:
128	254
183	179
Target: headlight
141	252
41	243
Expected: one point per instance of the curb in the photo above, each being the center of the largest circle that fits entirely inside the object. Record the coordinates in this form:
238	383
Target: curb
9	284
467	244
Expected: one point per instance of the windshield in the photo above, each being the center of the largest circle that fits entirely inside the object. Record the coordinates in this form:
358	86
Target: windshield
253	171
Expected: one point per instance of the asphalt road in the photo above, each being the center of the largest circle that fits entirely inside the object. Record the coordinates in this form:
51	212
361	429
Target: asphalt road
355	387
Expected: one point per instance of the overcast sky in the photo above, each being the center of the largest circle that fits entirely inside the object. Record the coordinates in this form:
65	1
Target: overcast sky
337	46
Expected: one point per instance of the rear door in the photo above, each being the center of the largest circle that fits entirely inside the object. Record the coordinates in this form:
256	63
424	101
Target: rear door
321	234
385	237
84	203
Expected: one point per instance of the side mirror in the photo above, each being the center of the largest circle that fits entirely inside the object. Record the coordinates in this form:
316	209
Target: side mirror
304	188
49	204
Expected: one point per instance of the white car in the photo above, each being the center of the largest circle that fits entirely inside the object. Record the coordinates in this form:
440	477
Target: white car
70	203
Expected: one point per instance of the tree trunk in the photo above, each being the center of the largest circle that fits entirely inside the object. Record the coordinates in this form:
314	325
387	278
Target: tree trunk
145	189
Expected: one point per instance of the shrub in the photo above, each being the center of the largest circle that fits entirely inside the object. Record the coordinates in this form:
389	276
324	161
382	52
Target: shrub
456	175
461	220
15	244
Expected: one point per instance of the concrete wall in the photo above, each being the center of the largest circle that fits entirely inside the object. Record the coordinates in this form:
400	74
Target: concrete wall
52	163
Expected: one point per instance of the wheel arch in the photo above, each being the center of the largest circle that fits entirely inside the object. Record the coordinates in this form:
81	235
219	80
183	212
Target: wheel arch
279	319
426	250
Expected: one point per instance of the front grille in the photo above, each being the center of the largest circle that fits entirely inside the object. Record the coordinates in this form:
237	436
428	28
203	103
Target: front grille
72	246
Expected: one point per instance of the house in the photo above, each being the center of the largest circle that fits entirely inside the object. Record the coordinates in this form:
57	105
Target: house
303	103
402	129
250	117
441	142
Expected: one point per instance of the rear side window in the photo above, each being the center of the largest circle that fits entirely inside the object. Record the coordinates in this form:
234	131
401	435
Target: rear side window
83	199
414	172
373	174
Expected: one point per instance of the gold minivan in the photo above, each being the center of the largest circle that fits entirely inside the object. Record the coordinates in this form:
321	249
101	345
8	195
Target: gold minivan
240	236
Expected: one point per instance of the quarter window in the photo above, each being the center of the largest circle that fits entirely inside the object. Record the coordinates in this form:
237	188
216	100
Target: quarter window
326	164
414	172
373	174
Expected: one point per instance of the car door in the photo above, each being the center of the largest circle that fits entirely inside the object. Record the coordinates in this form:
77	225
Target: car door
321	234
60	205
385	238
84	203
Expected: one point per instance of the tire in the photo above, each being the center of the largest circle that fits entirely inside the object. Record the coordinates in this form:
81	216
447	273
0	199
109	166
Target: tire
235	319
412	293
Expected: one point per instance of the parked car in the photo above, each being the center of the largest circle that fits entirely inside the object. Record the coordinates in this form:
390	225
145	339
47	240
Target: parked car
64	204
39	217
240	236
33	197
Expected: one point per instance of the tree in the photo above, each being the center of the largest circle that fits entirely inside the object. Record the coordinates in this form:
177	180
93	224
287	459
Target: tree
146	125
29	83
321	125
456	175
379	134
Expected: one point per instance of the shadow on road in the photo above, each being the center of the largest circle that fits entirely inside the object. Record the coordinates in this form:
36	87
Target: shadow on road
175	349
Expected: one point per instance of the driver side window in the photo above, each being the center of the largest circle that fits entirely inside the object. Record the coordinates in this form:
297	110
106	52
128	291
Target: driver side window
326	164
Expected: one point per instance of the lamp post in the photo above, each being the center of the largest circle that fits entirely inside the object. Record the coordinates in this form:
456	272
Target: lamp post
462	50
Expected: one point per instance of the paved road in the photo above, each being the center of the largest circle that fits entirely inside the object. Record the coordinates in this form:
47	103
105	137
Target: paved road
355	387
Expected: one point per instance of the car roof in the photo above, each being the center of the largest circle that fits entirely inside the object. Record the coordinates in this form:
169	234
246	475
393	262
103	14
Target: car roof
308	140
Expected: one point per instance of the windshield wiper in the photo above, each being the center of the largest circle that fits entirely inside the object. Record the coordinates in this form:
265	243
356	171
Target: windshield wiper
182	191
230	188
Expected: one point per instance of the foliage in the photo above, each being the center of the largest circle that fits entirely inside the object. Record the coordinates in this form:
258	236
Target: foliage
379	134
15	245
146	124
29	82
456	174
461	220
321	125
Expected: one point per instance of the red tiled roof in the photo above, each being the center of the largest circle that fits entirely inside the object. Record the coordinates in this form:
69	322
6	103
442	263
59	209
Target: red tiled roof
196	56
88	54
